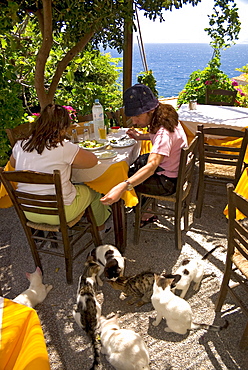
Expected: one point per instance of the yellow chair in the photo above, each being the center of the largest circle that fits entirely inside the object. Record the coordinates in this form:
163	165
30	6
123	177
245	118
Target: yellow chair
181	198
236	267
63	236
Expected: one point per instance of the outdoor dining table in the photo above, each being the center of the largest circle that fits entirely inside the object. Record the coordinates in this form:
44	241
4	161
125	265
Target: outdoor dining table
211	116
22	343
108	173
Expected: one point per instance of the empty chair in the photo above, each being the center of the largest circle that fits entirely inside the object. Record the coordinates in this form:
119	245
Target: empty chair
220	97
180	199
236	267
19	132
219	164
62	236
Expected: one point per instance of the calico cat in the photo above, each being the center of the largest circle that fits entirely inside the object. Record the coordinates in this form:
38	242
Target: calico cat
124	348
88	310
175	310
110	260
139	287
191	270
36	292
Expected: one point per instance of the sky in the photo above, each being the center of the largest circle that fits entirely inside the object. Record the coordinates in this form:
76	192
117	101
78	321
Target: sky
186	25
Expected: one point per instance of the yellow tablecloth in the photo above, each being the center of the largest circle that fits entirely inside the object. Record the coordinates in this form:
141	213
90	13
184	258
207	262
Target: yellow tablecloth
5	201
115	174
242	189
22	344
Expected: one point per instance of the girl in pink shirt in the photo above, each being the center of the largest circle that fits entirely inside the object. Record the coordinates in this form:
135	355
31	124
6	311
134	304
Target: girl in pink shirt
155	173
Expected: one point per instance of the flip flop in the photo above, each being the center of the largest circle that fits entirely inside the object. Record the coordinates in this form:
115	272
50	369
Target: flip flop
148	221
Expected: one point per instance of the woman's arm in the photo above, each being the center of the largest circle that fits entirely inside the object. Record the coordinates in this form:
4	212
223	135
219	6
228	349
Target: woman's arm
141	175
84	159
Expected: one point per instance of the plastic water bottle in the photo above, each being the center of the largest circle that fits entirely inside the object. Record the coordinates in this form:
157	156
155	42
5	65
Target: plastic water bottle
98	117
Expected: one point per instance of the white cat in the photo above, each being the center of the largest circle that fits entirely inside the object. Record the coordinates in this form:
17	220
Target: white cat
175	310
110	260
191	270
37	291
124	348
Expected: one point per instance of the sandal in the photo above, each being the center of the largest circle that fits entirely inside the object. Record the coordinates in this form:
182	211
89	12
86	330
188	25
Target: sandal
148	221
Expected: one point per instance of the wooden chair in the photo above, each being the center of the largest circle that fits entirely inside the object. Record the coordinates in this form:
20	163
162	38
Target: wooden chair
219	165
19	132
62	236
220	97
236	267
181	198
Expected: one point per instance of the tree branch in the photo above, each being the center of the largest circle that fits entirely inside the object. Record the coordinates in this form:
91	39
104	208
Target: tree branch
44	51
66	60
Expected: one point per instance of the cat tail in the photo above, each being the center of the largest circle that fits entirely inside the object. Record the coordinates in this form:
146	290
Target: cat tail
195	326
211	251
96	348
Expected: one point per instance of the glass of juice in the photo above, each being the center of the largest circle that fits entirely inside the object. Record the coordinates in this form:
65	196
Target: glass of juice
102	133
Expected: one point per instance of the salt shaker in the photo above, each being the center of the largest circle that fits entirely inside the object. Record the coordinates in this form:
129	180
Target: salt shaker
74	136
86	134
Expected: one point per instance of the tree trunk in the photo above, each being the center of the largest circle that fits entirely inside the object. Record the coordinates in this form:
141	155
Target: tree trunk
46	96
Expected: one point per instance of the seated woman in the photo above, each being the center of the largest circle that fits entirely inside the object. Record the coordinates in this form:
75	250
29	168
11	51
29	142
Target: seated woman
157	173
46	150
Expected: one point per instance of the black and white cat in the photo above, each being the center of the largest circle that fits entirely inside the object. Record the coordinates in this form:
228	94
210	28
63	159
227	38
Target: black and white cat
36	292
124	348
110	260
88	310
175	310
191	270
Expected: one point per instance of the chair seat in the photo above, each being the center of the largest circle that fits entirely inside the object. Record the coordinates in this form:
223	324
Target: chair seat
212	169
240	262
54	228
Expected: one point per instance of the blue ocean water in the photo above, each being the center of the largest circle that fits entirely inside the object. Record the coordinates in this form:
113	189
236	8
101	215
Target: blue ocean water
173	63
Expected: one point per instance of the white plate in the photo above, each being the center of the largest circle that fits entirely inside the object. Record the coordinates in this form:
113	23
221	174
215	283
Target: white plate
106	154
122	143
103	144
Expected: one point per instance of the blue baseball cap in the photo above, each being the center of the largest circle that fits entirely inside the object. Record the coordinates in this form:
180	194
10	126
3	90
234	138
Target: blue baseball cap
139	99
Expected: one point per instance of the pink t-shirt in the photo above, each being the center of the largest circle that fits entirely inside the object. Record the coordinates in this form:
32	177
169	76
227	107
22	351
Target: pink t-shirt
169	144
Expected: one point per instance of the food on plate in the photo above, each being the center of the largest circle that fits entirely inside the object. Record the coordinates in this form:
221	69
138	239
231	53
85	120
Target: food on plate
91	144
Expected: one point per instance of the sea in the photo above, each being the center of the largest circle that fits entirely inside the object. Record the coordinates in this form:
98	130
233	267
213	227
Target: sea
172	64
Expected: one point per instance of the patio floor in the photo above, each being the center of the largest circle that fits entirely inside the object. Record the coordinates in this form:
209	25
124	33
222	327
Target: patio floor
68	346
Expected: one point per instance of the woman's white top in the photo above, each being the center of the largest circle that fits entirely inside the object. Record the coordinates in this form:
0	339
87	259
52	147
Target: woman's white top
60	158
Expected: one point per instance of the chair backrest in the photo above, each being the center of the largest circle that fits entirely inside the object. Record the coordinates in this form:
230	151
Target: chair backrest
19	132
220	97
227	155
237	229
186	169
53	204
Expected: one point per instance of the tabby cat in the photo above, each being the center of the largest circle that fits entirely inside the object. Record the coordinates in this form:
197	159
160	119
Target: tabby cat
88	309
139	287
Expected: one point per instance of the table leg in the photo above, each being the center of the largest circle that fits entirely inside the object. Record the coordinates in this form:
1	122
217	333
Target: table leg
120	225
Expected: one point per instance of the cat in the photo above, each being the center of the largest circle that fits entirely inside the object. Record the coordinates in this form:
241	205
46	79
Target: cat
191	270
174	309
36	292
110	260
124	348
139	287
88	310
